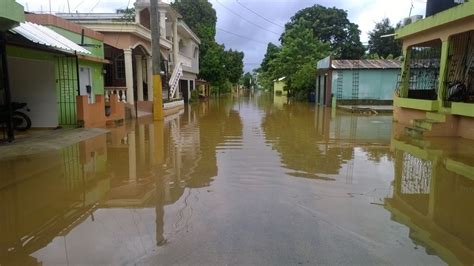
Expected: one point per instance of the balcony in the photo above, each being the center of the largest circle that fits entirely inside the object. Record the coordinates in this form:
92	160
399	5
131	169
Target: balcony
189	64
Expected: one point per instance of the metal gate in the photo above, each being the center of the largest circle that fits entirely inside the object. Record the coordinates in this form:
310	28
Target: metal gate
6	126
68	86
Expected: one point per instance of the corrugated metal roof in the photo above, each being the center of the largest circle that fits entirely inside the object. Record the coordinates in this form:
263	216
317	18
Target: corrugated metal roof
366	64
46	36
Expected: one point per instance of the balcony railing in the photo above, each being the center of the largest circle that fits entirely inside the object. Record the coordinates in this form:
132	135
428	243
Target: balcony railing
121	93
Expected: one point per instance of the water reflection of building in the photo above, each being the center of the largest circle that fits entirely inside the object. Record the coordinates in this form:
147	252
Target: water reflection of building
434	196
44	196
313	143
139	167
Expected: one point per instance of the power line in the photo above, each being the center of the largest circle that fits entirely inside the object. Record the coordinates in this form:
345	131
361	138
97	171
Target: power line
96	4
241	36
258	14
246	20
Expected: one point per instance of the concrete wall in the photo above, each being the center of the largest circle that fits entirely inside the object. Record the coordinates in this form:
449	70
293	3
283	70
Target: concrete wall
38	90
374	84
279	86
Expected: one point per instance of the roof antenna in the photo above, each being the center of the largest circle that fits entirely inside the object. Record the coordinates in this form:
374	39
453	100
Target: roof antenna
411	8
68	7
50	12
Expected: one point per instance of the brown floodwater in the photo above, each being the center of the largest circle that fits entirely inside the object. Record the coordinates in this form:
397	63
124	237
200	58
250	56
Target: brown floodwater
248	181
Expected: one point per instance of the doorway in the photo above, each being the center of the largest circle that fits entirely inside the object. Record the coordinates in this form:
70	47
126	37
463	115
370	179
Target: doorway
85	83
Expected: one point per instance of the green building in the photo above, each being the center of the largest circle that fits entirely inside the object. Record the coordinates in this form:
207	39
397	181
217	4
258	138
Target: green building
356	82
62	61
436	93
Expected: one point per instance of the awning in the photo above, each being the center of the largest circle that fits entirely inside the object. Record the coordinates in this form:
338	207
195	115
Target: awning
45	36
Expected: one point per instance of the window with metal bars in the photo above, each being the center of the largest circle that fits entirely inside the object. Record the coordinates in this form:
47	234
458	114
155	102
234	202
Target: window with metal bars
424	70
460	75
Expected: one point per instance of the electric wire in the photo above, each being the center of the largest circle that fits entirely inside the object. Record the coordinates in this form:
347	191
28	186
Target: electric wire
254	12
246	20
241	36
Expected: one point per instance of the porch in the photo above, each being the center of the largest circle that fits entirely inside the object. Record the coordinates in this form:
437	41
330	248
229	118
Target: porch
436	89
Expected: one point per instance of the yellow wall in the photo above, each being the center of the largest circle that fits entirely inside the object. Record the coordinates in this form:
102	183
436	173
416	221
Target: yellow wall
278	88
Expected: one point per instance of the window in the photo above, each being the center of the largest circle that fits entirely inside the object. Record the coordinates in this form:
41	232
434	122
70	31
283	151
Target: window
120	67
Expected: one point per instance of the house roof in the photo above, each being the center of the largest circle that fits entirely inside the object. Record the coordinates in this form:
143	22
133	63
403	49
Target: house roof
46	36
366	64
50	20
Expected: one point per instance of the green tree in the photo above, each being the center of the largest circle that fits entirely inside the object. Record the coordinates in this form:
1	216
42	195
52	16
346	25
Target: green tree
270	55
234	65
200	16
247	80
128	14
213	68
331	25
298	57
384	46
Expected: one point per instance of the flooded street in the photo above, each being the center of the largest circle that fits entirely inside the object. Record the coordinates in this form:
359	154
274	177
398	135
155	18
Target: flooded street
242	181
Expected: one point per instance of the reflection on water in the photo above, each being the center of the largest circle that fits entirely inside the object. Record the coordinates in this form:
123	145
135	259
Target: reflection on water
251	180
434	196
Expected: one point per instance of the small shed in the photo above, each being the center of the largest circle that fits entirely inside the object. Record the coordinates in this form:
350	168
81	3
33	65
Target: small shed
357	82
279	87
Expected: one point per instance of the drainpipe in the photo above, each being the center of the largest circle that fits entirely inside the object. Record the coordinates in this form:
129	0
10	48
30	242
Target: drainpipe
6	85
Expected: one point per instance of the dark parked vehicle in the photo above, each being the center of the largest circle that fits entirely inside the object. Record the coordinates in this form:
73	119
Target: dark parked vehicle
21	121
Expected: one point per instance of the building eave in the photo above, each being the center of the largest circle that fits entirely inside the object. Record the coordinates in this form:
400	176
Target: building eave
460	12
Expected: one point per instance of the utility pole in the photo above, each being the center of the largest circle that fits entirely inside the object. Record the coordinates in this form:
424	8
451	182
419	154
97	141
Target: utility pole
155	47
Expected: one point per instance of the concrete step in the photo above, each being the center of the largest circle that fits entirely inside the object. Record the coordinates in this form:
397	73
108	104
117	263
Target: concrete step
425	123
415	132
439	117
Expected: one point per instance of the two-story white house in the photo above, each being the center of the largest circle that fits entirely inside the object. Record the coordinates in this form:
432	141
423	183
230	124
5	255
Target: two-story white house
127	45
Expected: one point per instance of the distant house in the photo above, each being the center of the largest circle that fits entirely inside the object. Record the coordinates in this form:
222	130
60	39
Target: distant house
357	81
128	48
279	87
436	93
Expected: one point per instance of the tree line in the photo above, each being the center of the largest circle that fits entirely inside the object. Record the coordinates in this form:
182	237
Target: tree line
314	33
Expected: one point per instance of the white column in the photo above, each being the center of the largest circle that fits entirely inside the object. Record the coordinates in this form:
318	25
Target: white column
149	68
129	75
132	157
163	23
141	144
175	42
189	90
137	15
139	70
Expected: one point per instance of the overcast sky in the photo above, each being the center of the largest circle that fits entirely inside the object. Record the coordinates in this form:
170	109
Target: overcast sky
239	20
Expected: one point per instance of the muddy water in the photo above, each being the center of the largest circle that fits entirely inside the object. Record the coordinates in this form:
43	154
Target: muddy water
242	181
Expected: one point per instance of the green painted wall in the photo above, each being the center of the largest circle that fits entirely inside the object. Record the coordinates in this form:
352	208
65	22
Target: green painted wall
10	14
96	68
96	51
374	84
20	52
97	76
